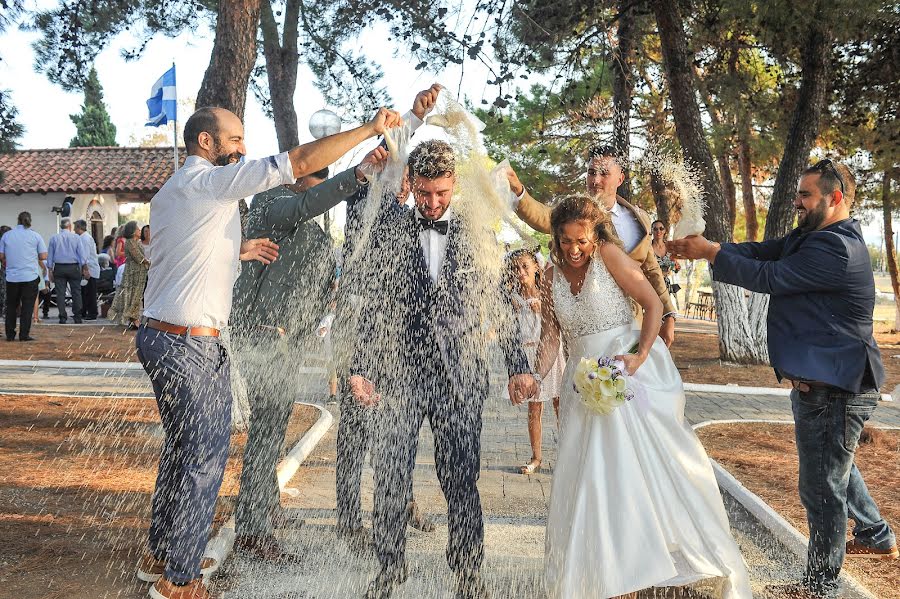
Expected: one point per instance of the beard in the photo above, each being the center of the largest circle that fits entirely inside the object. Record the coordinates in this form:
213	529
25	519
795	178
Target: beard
223	159
813	218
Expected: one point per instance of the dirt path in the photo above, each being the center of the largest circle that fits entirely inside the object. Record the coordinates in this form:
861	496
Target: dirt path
76	477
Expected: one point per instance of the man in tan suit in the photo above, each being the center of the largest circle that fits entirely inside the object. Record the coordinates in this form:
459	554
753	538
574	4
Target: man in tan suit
604	175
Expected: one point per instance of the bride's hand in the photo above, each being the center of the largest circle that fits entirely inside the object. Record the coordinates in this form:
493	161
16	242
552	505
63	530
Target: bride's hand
631	361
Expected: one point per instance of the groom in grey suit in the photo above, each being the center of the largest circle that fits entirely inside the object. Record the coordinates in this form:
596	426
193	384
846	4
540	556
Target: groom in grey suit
433	362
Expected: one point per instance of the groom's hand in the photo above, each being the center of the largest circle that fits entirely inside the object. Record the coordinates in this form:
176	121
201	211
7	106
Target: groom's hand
522	387
363	391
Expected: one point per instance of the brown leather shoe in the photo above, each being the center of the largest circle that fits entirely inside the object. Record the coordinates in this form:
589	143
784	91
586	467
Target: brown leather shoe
195	589
855	549
264	547
791	591
151	569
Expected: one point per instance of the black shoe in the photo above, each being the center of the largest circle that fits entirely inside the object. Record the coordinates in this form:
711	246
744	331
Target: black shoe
90	318
10	338
29	338
388	579
61	321
470	585
77	321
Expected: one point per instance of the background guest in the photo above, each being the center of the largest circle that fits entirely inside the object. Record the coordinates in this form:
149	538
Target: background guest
145	240
20	250
67	263
118	248
107	246
525	297
667	264
89	290
129	301
3	230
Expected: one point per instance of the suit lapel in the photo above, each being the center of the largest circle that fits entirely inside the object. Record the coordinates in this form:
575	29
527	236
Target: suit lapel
451	257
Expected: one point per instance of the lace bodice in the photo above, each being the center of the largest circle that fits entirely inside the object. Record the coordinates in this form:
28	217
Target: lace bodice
599	306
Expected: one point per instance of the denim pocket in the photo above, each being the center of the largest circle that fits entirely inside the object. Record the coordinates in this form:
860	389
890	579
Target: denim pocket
857	411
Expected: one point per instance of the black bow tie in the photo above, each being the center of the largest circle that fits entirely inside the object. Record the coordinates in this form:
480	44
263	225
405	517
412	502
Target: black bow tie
439	226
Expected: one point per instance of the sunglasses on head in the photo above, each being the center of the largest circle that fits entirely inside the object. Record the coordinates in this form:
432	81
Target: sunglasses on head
825	166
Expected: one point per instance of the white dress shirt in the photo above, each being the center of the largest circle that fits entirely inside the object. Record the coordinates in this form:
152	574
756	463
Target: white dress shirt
196	239
434	245
627	226
90	254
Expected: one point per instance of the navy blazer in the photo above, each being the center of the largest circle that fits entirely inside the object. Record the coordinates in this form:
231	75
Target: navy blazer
416	320
822	297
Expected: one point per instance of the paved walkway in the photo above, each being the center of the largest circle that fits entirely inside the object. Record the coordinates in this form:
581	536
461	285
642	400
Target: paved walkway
514	505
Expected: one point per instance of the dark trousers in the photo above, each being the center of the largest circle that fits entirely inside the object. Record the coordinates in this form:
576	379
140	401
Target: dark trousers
89	298
20	298
456	425
191	380
68	275
827	424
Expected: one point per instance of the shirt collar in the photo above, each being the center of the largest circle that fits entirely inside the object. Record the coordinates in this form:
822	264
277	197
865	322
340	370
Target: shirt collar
194	159
617	208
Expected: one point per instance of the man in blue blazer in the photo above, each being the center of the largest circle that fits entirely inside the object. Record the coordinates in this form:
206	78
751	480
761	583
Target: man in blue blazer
432	361
820	338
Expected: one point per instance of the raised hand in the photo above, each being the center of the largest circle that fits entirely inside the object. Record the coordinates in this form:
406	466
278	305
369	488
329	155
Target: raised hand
373	163
363	391
425	101
262	250
514	184
693	247
385	119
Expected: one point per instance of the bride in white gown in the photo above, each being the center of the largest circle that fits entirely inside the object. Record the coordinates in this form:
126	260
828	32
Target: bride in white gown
634	501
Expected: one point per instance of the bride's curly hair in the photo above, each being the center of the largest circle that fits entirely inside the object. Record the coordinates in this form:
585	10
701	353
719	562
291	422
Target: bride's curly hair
581	208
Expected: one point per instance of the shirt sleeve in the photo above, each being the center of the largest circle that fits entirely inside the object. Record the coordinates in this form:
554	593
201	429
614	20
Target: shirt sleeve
42	247
50	253
243	179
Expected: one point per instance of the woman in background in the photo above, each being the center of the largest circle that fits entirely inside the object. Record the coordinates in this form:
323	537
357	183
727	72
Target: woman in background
129	301
668	265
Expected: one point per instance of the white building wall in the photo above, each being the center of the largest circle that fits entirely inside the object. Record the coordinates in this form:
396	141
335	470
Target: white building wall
43	220
46	222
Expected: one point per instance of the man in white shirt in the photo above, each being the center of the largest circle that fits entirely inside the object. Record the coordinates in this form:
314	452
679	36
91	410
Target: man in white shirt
196	250
89	290
21	251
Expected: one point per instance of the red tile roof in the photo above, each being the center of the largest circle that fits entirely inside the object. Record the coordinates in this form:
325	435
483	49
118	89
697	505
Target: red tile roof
87	170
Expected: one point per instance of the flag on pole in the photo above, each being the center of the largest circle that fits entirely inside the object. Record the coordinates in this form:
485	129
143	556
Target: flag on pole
163	102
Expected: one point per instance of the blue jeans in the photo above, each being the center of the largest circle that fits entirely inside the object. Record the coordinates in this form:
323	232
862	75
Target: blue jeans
190	377
828	423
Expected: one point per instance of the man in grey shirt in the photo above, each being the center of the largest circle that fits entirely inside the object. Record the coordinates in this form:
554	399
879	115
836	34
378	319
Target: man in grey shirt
67	264
89	291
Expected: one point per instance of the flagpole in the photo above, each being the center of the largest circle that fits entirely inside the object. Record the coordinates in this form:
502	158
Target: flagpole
175	122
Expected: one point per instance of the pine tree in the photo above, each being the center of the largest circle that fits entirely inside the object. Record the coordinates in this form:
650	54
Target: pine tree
94	127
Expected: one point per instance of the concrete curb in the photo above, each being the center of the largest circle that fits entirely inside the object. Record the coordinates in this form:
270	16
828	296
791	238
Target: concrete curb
774	522
740	390
220	546
75	365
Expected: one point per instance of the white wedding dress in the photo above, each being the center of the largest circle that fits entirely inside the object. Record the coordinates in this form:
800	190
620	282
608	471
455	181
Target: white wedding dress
634	501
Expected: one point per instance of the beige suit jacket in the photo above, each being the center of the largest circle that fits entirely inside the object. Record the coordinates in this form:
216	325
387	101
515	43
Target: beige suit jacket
537	216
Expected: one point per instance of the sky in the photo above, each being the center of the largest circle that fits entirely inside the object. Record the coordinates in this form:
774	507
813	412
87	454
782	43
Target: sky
44	108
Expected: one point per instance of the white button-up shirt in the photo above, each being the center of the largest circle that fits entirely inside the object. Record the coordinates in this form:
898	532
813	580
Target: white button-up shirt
434	245
90	254
196	239
627	226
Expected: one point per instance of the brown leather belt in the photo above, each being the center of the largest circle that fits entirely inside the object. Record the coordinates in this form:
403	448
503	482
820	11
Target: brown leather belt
175	329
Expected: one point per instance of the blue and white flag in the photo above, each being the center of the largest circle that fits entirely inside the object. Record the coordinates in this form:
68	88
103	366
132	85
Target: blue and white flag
163	102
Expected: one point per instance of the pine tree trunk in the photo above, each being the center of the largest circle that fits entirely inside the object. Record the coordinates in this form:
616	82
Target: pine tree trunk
728	188
736	343
745	170
816	53
890	252
281	69
233	56
623	87
662	197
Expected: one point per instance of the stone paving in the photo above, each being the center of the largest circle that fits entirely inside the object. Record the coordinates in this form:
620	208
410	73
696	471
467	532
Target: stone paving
514	505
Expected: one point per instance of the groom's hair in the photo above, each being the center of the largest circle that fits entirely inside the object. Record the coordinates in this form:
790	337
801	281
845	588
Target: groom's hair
432	159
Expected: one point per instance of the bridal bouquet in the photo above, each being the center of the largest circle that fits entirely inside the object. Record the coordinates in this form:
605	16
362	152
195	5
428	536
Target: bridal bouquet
602	384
